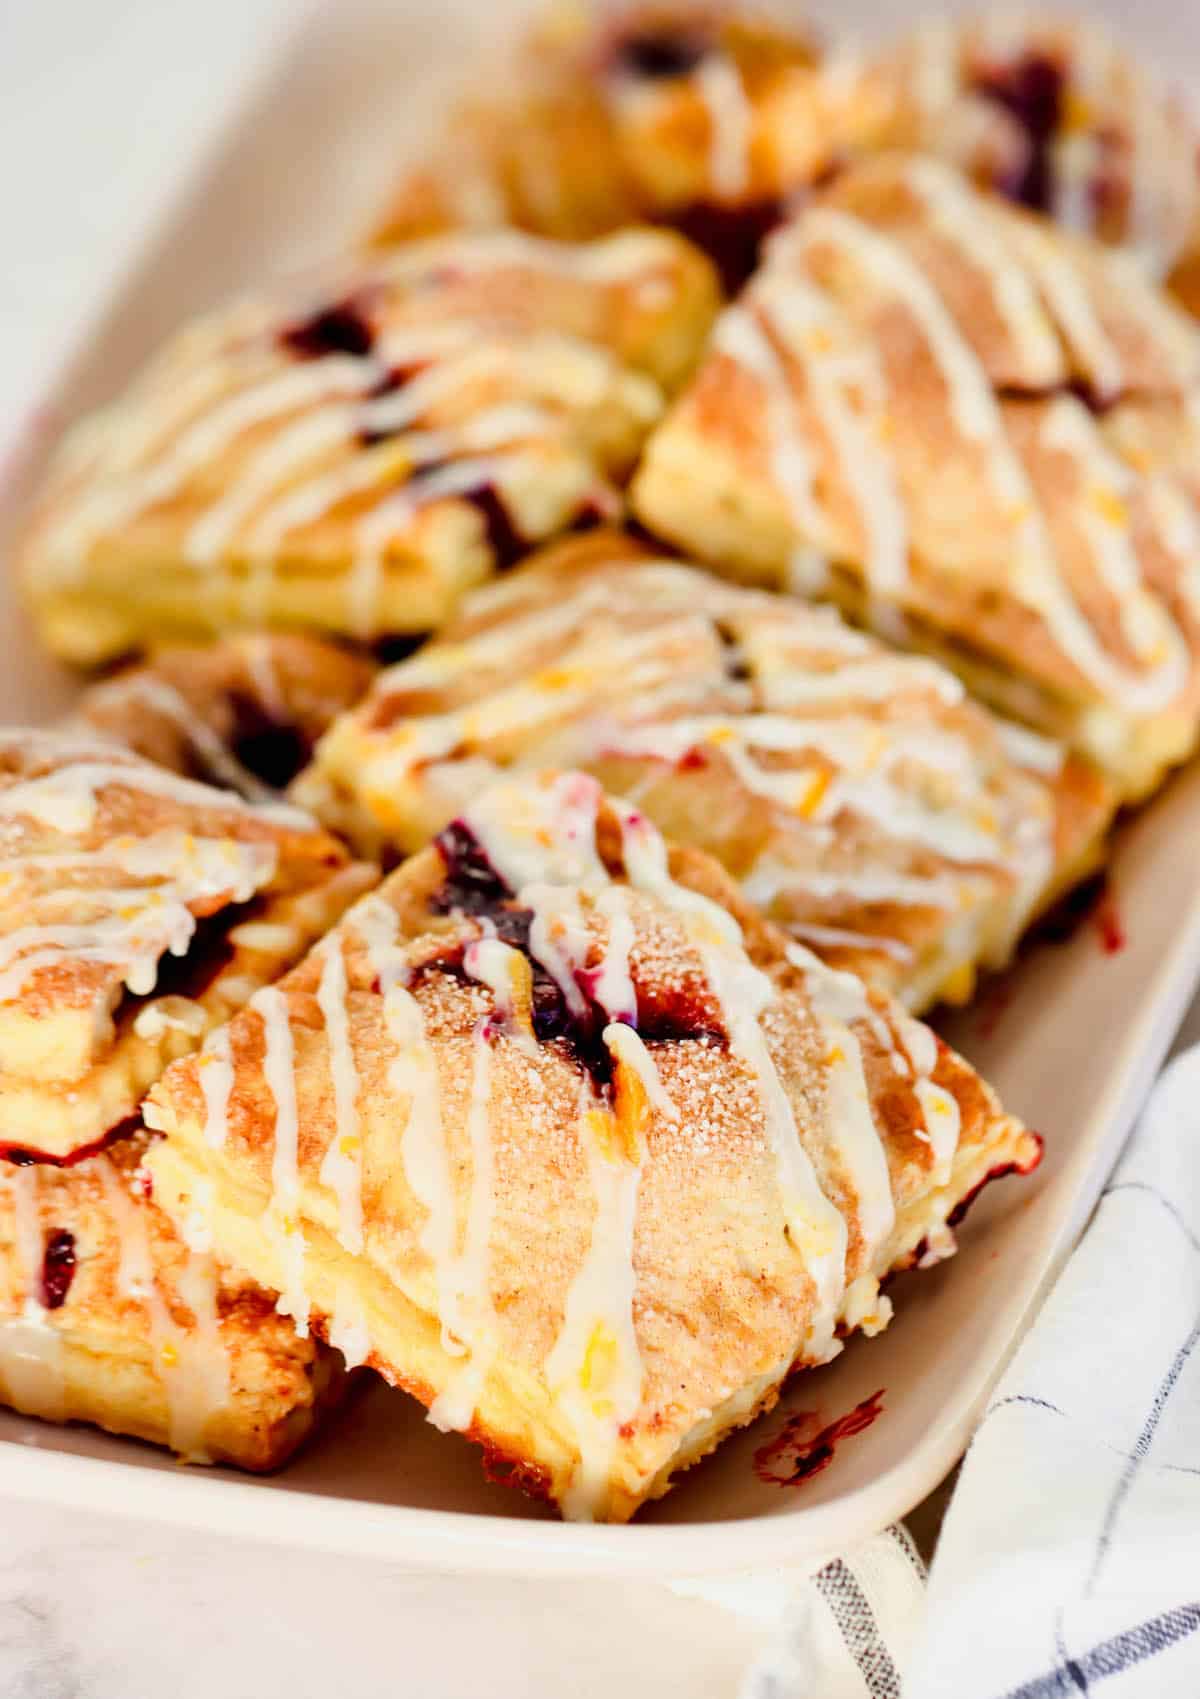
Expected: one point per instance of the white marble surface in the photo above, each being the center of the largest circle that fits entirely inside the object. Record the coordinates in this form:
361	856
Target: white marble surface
99	1609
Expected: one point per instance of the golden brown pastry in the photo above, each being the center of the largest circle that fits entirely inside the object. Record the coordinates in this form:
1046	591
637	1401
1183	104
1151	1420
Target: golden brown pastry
857	796
1054	113
138	909
714	118
106	1316
556	1133
705	117
349	454
905	413
244	714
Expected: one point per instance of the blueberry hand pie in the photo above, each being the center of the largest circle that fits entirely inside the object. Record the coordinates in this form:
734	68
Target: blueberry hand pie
349	454
859	798
107	1316
907	412
1054	114
557	1134
244	714
702	117
137	910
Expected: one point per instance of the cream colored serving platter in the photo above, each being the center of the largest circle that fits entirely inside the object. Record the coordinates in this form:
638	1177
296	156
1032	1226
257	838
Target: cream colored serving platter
1072	1038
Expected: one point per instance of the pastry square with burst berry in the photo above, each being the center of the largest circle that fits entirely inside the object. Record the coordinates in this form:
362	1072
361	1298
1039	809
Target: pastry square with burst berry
108	1317
908	412
244	714
556	1133
855	793
704	117
138	909
1055	114
349	453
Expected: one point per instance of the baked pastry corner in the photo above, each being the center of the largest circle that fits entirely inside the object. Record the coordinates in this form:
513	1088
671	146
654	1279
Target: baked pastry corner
138	909
905	413
348	454
872	811
108	1317
557	1134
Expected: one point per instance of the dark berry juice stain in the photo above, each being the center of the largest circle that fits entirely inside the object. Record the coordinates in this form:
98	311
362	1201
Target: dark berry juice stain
993	1005
340	328
797	1453
732	236
1060	923
474	887
1030	90
58	1268
1106	919
1093	904
1000	1172
23	1156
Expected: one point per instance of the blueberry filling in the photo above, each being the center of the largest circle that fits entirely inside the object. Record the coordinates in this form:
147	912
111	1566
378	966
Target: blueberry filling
504	540
392	382
732	236
474	887
337	329
733	657
655	55
272	751
58	1268
1031	91
396	647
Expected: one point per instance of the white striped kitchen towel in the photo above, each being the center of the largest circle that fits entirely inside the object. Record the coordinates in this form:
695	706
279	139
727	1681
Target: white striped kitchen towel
1069	1559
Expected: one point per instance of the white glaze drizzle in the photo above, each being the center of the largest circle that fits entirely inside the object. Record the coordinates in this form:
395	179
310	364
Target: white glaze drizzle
628	1049
214	1070
342	1164
121	500
839	1004
718	82
594	1370
743	993
1036	577
192	1364
131	927
943	1119
963	220
842	938
349	1328
1068	300
464	1284
283	1219
613	986
739	336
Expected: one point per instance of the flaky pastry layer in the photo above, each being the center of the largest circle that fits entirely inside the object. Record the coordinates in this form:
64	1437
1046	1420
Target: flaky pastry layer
907	413
137	910
107	1317
556	1133
350	454
856	795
